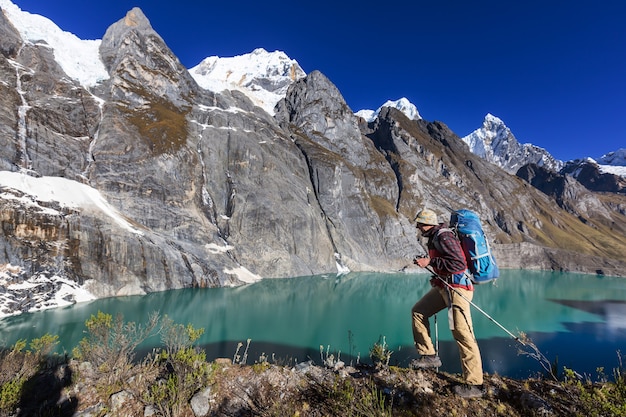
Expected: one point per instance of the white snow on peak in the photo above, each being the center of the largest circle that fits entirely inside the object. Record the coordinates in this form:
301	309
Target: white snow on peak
402	104
80	59
616	158
495	143
490	118
481	139
613	163
263	76
613	169
368	115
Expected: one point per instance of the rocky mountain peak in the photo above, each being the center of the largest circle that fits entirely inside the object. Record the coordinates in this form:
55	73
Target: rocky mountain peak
595	177
136	19
495	143
315	105
137	57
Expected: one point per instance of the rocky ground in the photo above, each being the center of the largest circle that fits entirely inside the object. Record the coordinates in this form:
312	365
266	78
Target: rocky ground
309	390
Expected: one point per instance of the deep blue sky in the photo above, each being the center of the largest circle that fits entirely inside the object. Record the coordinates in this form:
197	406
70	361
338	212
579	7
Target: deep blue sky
553	70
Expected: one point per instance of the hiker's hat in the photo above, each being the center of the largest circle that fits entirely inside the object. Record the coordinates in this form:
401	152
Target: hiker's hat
426	216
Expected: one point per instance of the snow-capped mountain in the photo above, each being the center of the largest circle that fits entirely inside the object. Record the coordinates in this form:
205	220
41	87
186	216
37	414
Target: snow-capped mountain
617	158
613	162
263	76
495	142
80	59
402	104
610	163
597	177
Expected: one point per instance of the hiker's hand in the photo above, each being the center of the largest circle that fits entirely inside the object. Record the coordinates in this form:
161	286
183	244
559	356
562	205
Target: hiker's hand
422	262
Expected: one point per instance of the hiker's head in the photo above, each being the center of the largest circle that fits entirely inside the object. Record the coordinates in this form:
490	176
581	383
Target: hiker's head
426	219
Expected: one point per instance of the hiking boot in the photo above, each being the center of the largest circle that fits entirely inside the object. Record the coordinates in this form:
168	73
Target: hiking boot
468	391
426	361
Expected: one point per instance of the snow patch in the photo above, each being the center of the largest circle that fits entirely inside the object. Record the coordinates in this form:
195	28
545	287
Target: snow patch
66	192
244	275
216	249
41	291
612	169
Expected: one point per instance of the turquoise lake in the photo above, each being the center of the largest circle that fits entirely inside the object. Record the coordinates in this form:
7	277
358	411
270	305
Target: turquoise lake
575	318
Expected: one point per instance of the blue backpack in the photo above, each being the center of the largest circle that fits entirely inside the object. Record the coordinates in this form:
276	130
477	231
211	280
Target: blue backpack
480	260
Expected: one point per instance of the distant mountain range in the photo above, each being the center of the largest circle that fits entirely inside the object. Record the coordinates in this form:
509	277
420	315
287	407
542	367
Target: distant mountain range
495	142
402	104
265	76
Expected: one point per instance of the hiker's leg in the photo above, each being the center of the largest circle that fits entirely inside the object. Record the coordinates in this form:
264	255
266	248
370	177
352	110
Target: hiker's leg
464	335
429	304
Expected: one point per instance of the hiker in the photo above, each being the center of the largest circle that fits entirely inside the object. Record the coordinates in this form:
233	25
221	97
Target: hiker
446	258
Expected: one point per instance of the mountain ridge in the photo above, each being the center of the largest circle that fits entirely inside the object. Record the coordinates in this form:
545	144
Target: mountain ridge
268	84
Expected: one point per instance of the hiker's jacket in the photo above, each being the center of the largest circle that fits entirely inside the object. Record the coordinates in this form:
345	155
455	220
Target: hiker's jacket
447	258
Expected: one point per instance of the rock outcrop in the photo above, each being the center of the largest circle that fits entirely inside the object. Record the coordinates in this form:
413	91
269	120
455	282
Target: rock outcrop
589	174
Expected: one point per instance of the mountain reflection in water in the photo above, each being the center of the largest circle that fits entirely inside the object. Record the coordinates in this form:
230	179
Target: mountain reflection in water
612	312
579	319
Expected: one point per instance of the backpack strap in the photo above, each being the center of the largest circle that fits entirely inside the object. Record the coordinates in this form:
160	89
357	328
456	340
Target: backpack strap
436	237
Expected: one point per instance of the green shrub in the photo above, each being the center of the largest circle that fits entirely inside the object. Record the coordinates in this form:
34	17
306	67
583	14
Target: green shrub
10	394
110	347
379	353
603	399
342	396
184	369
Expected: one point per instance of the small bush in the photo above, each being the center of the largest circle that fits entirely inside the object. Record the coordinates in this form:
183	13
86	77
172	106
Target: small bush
10	394
184	369
603	399
379	353
344	397
110	347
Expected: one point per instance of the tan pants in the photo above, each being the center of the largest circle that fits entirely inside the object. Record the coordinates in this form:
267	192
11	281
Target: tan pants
436	300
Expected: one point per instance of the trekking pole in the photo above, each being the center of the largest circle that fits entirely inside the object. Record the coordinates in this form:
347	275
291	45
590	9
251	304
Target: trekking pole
436	336
476	307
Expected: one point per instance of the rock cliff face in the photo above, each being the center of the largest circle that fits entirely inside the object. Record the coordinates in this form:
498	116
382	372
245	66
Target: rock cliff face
589	174
197	188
